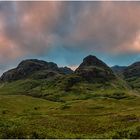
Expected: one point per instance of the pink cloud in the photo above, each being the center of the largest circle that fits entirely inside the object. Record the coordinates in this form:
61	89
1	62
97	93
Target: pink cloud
111	27
33	28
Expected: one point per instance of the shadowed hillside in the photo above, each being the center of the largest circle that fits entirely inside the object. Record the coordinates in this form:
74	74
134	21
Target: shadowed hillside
130	74
27	67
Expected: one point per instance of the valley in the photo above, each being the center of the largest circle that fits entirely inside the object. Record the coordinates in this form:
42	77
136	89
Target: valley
40	100
29	117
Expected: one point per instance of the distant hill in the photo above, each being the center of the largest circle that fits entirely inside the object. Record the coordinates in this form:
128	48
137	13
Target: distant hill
118	69
128	71
132	75
132	70
65	70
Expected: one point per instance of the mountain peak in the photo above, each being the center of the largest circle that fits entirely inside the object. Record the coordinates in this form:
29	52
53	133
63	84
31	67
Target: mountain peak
26	68
93	68
92	60
36	64
90	57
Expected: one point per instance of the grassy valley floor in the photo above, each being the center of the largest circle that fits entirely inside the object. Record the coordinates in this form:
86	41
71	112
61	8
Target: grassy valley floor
28	117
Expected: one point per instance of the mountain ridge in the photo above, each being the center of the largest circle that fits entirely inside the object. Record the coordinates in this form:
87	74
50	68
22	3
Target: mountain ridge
45	79
28	66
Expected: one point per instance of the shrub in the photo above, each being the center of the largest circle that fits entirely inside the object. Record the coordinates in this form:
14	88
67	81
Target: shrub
13	133
65	106
70	81
127	134
117	95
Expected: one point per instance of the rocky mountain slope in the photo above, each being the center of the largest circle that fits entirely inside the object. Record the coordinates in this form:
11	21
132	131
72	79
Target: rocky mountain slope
93	69
46	80
28	67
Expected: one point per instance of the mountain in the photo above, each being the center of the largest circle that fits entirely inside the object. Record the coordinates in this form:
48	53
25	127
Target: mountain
28	67
65	70
132	70
128	71
39	100
46	80
132	75
93	69
118	70
92	75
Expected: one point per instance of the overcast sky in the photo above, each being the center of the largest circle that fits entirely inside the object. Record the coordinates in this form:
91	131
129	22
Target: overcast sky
65	32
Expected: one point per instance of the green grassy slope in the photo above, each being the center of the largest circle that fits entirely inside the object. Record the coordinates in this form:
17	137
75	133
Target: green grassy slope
65	89
134	82
68	108
28	117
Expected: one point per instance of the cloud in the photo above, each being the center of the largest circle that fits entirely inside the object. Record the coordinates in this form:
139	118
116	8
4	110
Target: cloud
74	67
66	30
107	28
26	27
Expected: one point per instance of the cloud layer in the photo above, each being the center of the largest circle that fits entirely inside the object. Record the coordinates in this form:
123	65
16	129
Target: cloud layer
66	31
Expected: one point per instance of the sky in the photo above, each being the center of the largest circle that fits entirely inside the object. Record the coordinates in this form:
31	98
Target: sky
66	32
